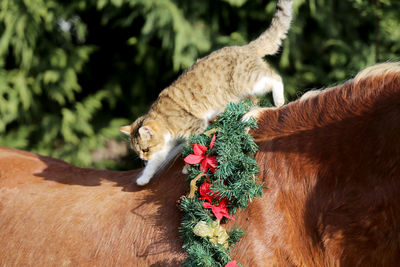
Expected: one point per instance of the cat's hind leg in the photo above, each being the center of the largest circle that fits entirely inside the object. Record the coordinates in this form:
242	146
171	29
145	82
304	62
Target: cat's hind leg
267	83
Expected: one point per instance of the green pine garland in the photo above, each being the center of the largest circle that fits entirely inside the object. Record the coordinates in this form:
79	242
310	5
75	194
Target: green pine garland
234	179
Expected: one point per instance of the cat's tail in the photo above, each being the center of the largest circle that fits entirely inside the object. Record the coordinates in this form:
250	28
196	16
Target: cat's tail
269	41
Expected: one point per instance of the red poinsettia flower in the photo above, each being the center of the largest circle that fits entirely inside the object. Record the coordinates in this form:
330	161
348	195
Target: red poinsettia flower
205	192
219	210
207	162
231	264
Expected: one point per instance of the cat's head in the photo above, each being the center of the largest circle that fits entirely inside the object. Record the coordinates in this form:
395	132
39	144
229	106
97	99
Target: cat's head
146	137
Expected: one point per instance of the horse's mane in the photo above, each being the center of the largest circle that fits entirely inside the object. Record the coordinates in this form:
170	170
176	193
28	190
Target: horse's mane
369	92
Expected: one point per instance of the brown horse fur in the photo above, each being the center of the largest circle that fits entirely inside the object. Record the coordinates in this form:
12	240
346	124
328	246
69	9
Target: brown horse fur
56	214
330	162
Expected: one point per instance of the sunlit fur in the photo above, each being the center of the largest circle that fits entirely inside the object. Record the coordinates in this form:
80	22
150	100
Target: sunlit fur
56	214
330	164
226	75
145	147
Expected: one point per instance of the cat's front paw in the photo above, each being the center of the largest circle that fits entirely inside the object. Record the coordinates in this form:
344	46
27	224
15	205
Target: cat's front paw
255	113
142	180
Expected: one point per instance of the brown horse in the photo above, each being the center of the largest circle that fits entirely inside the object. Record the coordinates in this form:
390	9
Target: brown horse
330	162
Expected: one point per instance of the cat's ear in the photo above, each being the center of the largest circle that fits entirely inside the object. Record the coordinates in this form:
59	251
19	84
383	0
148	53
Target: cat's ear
125	129
146	132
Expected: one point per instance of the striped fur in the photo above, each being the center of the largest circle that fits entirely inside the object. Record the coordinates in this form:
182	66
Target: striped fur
198	95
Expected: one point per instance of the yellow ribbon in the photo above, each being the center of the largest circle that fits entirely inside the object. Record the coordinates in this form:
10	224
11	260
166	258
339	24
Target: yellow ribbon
215	232
193	186
211	131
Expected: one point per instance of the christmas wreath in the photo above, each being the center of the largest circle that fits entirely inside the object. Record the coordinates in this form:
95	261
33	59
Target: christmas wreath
222	179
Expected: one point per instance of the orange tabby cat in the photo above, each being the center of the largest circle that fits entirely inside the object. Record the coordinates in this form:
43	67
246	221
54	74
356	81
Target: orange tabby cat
202	92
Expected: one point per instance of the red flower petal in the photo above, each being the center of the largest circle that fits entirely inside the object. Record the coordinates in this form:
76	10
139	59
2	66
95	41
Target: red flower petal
199	149
207	163
219	211
229	216
207	205
223	202
231	264
212	141
212	161
204	166
204	190
223	207
194	159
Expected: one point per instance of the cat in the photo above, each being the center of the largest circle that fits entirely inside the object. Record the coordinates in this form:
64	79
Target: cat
229	74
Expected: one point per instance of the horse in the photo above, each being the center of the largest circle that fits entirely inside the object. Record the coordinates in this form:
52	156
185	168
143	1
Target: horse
330	163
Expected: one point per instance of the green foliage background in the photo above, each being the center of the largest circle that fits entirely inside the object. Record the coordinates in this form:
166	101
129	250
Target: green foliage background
72	72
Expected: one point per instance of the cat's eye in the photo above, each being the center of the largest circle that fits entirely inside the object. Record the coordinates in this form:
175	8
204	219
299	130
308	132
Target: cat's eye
145	150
